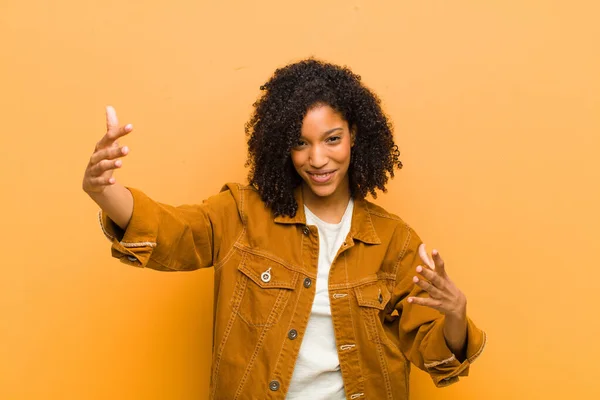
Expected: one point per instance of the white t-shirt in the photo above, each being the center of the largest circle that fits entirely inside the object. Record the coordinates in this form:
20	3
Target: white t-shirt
317	372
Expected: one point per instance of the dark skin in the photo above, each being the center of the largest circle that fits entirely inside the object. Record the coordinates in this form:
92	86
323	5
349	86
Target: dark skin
275	127
445	297
325	145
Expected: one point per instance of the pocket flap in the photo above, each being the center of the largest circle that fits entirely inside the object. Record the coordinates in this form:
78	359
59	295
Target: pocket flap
267	273
375	295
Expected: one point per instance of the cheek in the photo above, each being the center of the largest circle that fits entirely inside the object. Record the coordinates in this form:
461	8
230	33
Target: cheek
344	155
297	159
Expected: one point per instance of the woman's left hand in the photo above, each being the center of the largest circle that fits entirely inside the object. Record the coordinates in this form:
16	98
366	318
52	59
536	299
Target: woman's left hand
444	296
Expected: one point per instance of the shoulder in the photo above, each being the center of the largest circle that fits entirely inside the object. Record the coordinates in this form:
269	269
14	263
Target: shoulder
241	193
237	189
246	198
390	226
380	215
379	212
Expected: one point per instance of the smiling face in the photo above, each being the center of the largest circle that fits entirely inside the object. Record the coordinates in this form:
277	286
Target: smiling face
322	155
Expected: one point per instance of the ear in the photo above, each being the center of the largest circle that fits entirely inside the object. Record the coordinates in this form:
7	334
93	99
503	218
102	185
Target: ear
352	135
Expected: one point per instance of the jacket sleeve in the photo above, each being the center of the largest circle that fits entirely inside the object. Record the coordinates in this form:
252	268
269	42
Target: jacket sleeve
169	238
421	333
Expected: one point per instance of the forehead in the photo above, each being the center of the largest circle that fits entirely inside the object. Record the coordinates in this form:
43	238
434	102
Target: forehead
320	119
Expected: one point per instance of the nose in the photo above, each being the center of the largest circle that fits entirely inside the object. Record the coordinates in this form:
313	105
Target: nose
317	157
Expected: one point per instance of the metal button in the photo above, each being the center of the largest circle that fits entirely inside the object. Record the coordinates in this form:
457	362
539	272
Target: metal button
132	258
307	282
266	276
292	334
274	386
305	230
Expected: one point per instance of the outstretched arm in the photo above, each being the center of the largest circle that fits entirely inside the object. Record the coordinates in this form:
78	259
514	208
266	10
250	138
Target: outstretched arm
98	181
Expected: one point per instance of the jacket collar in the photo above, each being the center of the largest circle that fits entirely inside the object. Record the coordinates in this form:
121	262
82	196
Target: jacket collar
362	227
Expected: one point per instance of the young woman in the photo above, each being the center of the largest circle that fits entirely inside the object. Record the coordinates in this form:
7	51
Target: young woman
319	293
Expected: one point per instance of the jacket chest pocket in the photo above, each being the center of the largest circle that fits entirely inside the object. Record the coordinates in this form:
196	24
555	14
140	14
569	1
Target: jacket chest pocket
372	300
263	289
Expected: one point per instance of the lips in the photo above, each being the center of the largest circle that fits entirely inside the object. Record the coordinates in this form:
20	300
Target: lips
321	176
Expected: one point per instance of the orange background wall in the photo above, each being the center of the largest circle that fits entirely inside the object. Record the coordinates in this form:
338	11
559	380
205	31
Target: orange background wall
496	109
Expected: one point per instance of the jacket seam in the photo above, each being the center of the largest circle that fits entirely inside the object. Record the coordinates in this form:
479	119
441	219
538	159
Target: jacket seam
234	307
230	252
401	254
361	282
372	225
442	362
302	237
269	321
360	366
209	234
259	344
273	283
138	244
242	215
283	342
451	377
124	244
382	361
108	235
388	216
478	353
273	258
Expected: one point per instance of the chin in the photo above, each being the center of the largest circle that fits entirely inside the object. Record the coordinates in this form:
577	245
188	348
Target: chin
322	190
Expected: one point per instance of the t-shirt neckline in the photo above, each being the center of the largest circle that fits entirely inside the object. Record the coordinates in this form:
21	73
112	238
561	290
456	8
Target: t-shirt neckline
329	224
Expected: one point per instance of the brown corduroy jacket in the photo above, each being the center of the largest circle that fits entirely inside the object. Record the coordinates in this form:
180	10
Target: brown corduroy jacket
265	272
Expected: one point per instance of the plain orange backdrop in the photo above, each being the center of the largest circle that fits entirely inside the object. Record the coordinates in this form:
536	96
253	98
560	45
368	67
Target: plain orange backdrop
496	109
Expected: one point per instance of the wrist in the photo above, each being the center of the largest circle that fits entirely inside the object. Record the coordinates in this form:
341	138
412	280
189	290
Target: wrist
457	316
455	333
459	313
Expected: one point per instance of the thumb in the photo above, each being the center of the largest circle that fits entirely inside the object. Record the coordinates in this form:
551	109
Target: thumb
425	257
112	122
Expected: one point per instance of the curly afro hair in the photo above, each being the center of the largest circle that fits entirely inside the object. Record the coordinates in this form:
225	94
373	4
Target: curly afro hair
274	129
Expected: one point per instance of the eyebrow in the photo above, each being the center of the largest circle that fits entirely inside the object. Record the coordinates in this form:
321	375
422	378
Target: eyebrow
339	128
332	130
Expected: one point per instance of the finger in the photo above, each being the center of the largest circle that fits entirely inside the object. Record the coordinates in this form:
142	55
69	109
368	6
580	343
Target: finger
113	131
425	301
103	181
428	287
439	262
111	136
109	153
112	122
103	166
431	276
425	257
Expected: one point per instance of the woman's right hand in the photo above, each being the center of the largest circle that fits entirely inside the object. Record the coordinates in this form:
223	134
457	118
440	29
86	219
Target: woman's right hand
106	157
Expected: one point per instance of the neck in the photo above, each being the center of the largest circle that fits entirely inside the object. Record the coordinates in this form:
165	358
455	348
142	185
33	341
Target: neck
329	209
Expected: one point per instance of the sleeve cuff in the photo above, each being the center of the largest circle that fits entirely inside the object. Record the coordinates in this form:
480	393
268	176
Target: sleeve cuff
439	361
134	245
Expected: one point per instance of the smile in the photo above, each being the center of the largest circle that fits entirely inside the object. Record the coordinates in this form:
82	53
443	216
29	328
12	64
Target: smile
321	178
